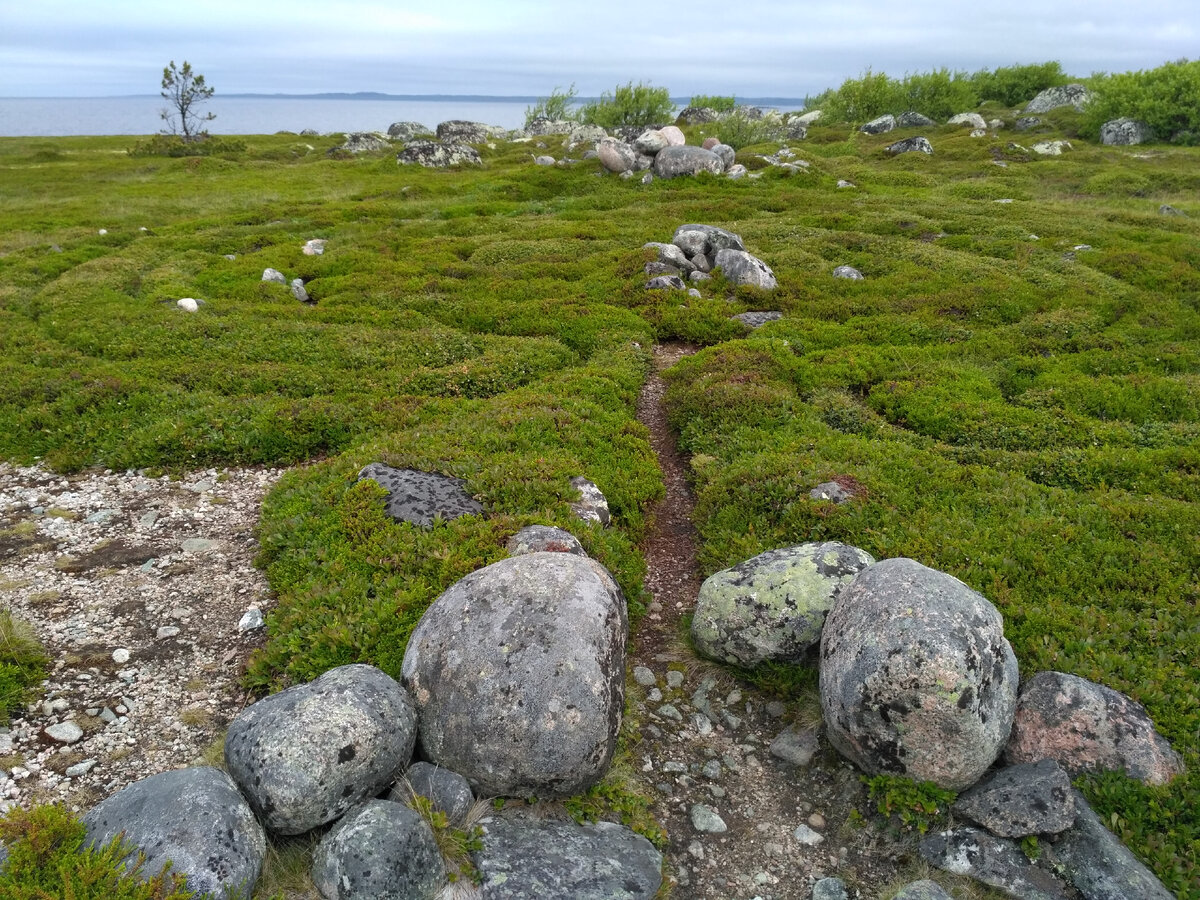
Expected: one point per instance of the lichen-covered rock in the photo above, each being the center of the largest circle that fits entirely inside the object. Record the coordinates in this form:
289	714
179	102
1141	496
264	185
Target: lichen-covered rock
771	608
518	671
537	859
650	142
674	161
1125	132
544	539
541	126
1075	95
585	135
274	275
1051	148
916	675
968	119
421	497
995	861
1017	801
616	156
379	849
438	154
726	153
592	505
671	255
697	115
910	145
713	239
881	125
914	119
459	131
758	318
448	792
365	142
848	272
1087	727
739	267
666	283
922	890
193	818
406	131
306	755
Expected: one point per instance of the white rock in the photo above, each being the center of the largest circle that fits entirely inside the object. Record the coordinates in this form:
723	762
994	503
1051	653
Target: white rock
251	619
315	247
120	656
807	836
188	304
65	733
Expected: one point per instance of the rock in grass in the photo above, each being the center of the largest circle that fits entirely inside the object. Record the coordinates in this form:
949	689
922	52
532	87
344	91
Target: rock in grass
995	861
365	142
968	119
670	254
421	497
1087	727
309	753
460	131
406	131
518	671
922	890
592	505
274	275
757	319
910	145
299	291
193	818
674	161
740	267
616	156
544	539
188	304
726	153
1124	132
1075	95
1017	801
536	860
379	849
448	792
438	155
666	283
848	272
771	608
881	125
913	119
1051	148
916	676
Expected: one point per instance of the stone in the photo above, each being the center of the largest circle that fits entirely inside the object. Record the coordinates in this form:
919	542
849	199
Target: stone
188	304
715	239
655	268
757	319
1125	132
314	247
438	154
64	733
298	290
1168	210
1075	95
797	746
830	889
697	115
913	119
666	283
848	272
616	156
995	861
406	131
448	792
675	161
592	505
80	768
806	836
710	142
1017	801
462	132
726	154
706	820
1026	123
795	130
518	671
910	145
193	818
739	267
421	498
274	275
644	676
771	608
251	620
831	491
670	254
1051	148
365	142
968	119
922	890
647	178
543	539
543	160
199	545
379	849
916	675
1087	727
540	126
1095	861
120	656
843	183
306	755
532	859
589	135
650	142
881	125
674	135
737	170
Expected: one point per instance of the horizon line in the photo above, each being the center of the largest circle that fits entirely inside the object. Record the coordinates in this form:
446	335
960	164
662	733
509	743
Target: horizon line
378	95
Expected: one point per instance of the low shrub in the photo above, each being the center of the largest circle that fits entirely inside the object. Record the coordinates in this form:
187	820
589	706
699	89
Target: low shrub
1167	99
715	102
739	130
629	104
175	146
558	107
1016	85
22	664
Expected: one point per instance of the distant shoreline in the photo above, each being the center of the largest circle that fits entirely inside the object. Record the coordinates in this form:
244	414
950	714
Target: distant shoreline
434	98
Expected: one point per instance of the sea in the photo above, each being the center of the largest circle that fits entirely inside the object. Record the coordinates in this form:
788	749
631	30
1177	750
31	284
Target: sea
268	114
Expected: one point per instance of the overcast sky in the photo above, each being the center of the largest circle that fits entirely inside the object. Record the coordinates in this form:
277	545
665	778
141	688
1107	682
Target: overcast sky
52	48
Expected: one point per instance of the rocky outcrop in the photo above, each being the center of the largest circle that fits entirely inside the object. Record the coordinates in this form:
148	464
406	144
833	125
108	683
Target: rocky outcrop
1087	727
421	497
536	859
739	267
459	131
916	675
406	131
306	755
518	674
438	154
194	819
1125	132
1075	95
771	608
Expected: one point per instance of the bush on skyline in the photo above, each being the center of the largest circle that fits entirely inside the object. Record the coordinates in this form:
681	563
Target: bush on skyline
714	102
629	104
1016	85
1167	99
558	107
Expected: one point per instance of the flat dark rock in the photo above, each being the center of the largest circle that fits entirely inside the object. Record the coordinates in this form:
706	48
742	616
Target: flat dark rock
1034	798
421	497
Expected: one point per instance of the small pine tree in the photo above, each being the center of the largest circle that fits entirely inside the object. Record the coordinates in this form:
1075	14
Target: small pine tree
185	90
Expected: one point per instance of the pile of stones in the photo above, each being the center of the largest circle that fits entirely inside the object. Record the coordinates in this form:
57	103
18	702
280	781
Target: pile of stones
666	153
695	251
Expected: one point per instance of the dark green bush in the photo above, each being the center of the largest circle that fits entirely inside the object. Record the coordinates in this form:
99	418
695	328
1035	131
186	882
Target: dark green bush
630	104
939	94
175	146
716	102
1016	85
1167	99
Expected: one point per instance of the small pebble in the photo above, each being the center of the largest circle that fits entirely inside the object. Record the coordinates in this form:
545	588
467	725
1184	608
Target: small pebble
120	656
705	819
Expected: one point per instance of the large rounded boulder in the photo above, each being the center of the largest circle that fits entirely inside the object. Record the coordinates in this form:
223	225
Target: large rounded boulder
771	608
518	672
306	755
916	675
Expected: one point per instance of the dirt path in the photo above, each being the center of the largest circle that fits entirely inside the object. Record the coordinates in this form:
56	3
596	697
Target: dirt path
706	737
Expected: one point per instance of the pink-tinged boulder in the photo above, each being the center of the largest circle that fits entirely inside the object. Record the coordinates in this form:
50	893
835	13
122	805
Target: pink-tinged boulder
616	156
710	142
675	137
1088	727
916	676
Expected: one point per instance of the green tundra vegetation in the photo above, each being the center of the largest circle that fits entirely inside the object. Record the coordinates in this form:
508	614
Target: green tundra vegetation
1014	388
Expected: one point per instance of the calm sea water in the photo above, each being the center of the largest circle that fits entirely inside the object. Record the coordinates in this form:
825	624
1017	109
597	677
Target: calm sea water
55	117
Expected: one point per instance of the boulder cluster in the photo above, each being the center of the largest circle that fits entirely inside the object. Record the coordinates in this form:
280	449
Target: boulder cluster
666	153
917	679
695	251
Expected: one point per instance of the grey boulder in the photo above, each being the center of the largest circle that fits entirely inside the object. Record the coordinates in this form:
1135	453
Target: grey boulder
651	142
306	755
448	792
881	125
848	272
714	239
592	505
537	859
274	275
727	155
438	154
540	126
771	608
1033	798
616	156
421	497
968	119
922	890
994	861
589	135
463	132
666	283
1088	727
406	131
1075	95
697	115
739	267
916	675
1125	132
518	671
910	145
674	161
543	538
193	818
670	254
365	142
913	119
380	849
757	319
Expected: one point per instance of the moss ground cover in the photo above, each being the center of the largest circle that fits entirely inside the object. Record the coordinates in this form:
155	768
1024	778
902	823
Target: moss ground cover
1020	411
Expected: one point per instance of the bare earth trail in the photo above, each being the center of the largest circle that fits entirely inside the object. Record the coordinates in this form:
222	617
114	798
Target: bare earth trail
705	737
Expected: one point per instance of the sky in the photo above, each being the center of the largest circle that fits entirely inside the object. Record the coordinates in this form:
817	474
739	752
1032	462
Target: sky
751	48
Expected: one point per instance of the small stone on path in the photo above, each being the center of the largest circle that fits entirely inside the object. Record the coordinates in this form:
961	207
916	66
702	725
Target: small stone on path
705	819
65	733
